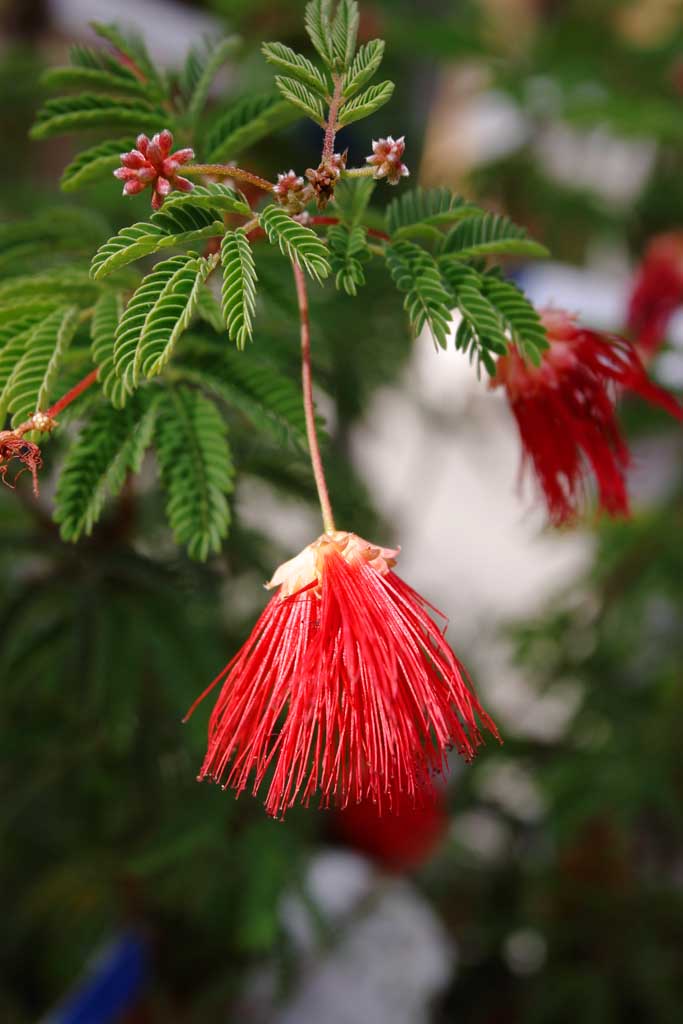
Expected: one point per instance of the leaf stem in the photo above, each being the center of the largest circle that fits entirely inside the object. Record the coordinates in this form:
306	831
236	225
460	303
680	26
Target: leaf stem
226	171
309	408
45	421
331	126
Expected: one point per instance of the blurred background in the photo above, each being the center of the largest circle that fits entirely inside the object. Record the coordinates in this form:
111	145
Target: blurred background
546	883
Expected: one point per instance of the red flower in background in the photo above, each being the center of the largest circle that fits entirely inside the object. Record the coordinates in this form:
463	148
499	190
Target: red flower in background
400	839
345	688
657	290
152	163
565	412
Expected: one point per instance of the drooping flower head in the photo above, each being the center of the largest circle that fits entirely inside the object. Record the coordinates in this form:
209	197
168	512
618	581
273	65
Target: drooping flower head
657	290
151	163
345	690
565	412
387	159
25	452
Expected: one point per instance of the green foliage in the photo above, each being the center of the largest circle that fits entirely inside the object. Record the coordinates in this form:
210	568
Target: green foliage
29	386
94	163
351	198
297	66
298	242
521	319
302	97
427	300
348	252
196	469
364	67
409	212
490	235
89	110
365	103
116	81
482	330
171	228
156	316
132	48
111	445
214	196
105	319
345	32
238	296
53	234
245	122
200	70
317	18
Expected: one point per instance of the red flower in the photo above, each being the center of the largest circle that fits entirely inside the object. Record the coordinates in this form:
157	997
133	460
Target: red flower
565	412
657	290
13	446
152	163
400	839
346	687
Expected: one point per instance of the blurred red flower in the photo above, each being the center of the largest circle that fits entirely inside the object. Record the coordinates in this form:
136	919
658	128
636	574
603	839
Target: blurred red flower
657	290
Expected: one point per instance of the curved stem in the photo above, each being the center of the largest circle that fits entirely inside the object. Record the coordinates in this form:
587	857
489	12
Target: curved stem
331	126
226	171
309	409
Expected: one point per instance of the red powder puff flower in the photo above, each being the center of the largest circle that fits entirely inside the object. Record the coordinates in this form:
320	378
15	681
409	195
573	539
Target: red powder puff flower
152	163
657	290
387	159
13	446
400	839
346	687
565	412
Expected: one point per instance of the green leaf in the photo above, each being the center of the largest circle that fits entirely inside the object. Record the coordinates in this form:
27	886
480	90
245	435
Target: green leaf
486	326
351	197
69	283
114	84
53	232
211	63
427	300
238	297
196	469
364	67
296	240
29	386
246	122
427	206
270	401
14	338
209	310
107	313
88	110
296	65
490	235
94	163
132	46
319	29
522	319
111	445
366	103
215	196
170	228
348	252
302	97
345	33
157	315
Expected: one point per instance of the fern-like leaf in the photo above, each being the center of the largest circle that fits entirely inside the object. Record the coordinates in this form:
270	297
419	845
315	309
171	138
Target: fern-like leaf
94	163
215	196
427	300
106	315
491	235
348	251
132	47
295	240
88	110
296	65
238	297
111	445
210	63
32	379
115	83
209	310
302	97
319	28
365	103
522	319
351	197
344	33
171	228
196	469
364	67
157	315
245	122
434	206
485	330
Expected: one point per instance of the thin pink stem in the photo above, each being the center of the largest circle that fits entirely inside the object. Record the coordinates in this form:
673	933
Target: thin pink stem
226	171
72	395
331	126
309	408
